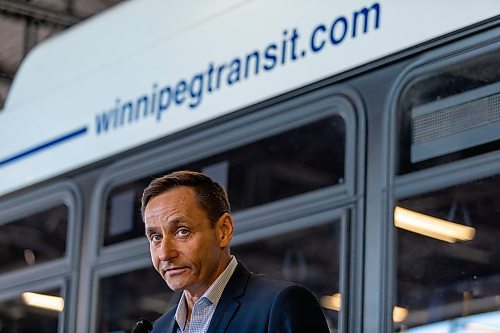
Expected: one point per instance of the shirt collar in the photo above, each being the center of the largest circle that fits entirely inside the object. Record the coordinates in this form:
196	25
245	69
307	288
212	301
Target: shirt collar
213	293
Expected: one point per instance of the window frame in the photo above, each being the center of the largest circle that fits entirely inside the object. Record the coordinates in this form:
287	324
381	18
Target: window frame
433	178
434	61
226	133
57	273
232	134
124	266
65	317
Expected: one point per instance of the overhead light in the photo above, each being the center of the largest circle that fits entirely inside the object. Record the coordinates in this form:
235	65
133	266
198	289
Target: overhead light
399	314
54	303
333	302
431	226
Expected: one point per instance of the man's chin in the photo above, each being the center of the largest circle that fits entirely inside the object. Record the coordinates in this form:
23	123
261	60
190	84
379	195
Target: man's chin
175	285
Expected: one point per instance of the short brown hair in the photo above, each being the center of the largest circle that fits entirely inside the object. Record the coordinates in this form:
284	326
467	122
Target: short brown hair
211	196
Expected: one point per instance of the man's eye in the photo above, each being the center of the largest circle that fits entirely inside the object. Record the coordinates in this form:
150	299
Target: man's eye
182	231
155	238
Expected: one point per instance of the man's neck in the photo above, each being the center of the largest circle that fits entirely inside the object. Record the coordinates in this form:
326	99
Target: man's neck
192	296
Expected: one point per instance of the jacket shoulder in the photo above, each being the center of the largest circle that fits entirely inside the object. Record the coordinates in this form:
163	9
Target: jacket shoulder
296	309
258	287
278	306
268	285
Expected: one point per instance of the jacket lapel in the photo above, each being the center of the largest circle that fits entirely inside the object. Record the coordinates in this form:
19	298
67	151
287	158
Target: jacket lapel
166	323
228	303
172	327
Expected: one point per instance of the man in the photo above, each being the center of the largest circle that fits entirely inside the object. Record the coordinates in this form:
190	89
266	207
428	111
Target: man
189	227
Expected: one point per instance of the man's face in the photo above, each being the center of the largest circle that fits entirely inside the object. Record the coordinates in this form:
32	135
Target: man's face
185	249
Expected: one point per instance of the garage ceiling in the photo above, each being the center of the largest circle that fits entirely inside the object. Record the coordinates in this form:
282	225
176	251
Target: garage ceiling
24	23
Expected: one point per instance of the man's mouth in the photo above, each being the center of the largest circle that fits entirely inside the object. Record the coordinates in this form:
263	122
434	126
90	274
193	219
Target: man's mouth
175	271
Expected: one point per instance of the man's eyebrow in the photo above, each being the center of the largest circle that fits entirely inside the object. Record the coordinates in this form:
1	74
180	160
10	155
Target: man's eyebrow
172	223
150	230
176	221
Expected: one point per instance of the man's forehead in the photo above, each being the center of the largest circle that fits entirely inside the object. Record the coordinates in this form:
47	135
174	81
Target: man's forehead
176	196
157	211
177	201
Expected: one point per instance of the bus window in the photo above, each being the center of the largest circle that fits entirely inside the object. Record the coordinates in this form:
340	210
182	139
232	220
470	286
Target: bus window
32	312
450	113
33	239
310	257
448	258
290	163
122	298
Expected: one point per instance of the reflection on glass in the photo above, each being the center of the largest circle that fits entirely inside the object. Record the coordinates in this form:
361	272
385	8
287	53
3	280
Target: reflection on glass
43	301
125	298
34	239
399	314
439	282
297	161
333	302
432	227
21	315
308	256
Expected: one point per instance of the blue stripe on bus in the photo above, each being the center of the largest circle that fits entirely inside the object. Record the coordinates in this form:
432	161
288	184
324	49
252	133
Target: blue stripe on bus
44	146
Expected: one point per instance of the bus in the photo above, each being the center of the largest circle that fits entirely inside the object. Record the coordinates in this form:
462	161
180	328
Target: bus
358	142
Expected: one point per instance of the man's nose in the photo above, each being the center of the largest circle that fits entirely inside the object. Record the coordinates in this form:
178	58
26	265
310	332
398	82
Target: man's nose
167	249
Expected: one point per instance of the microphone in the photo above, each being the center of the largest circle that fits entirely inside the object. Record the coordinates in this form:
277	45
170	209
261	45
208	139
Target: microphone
142	326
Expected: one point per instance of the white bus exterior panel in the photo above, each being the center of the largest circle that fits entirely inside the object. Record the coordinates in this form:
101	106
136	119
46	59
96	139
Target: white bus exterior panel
133	51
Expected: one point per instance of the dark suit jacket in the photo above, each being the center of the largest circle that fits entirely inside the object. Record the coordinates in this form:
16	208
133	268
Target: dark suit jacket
252	304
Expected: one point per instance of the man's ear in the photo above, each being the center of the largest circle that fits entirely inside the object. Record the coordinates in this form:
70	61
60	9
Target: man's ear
225	230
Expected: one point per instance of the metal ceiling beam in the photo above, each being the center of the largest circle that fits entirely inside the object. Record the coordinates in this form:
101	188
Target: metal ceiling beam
40	15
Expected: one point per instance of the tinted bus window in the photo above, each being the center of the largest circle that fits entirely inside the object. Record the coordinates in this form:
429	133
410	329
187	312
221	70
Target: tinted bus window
32	312
297	161
448	259
310	257
33	239
451	113
126	297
